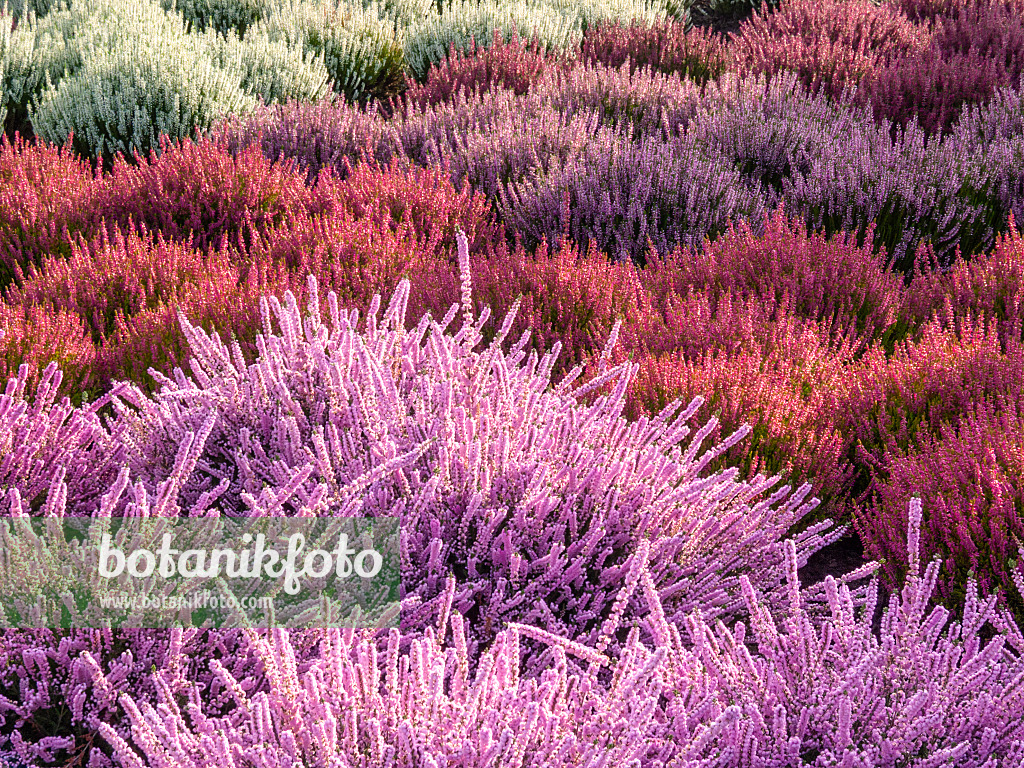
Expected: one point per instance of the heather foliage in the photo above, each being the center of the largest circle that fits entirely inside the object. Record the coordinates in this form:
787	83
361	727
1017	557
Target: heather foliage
197	192
223	16
820	695
648	103
668	47
127	98
361	51
915	191
47	196
827	281
273	70
36	335
889	404
828	44
971	54
316	136
969	478
629	197
512	65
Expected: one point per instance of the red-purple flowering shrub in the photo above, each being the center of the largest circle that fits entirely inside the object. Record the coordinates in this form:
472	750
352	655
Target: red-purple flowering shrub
827	280
776	378
989	286
970	54
829	43
46	196
314	135
514	65
197	192
796	691
666	46
971	480
424	197
36	335
888	403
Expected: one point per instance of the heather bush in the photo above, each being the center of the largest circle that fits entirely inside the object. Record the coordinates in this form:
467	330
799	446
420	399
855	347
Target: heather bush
493	139
915	191
828	44
971	54
422	197
668	47
126	98
649	103
223	16
773	132
757	362
474	22
361	51
828	281
791	691
245	414
46	50
889	403
35	335
513	65
273	70
969	479
197	192
46	196
316	136
631	197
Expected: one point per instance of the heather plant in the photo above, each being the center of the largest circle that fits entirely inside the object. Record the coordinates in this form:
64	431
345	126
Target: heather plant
223	16
793	690
422	197
513	65
986	288
126	98
970	54
757	362
44	51
773	132
316	136
969	479
915	191
36	335
362	52
890	402
828	281
442	493
493	139
474	22
670	47
649	103
631	197
273	70
197	192
46	196
828	44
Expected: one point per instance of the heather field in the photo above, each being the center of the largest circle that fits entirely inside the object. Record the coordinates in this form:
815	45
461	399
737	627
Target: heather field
685	341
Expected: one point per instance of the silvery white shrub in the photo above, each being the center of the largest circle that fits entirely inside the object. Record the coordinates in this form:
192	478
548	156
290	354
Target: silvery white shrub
55	46
401	13
273	70
428	41
590	13
362	51
221	15
19	9
123	99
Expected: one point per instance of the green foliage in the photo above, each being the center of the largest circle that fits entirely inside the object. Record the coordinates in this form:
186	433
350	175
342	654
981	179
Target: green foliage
223	16
360	48
123	99
273	70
